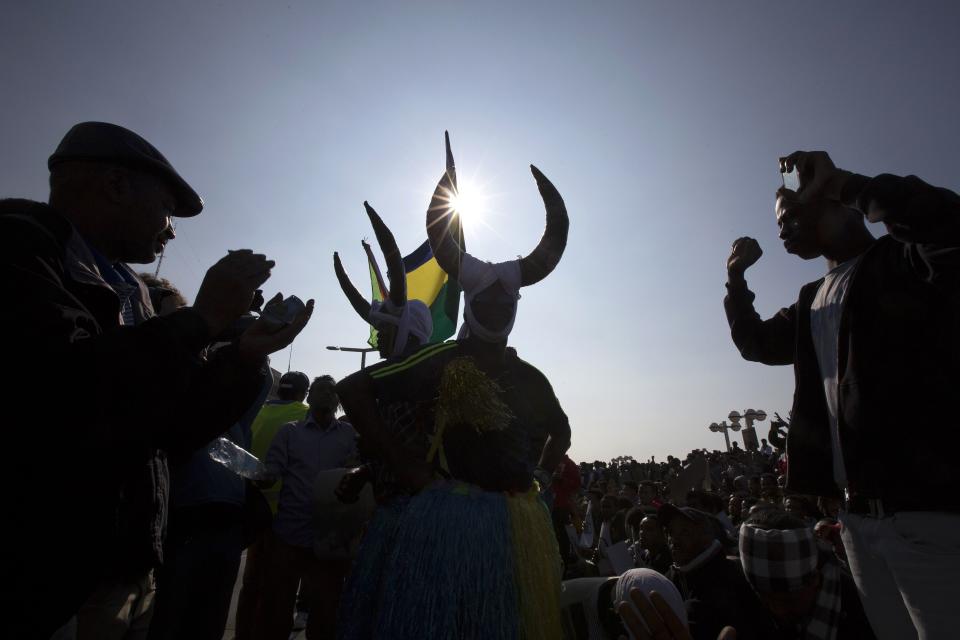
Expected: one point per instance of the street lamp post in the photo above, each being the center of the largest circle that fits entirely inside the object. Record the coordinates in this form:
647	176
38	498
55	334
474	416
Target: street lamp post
724	427
363	351
750	442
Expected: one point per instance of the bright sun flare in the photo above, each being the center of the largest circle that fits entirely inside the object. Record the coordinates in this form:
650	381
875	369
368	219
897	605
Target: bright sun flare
469	202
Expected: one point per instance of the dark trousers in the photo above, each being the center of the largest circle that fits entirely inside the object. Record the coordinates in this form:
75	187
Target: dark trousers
195	584
284	566
561	518
250	601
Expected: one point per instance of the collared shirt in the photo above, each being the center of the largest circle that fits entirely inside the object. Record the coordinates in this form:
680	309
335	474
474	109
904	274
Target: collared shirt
273	415
299	452
123	283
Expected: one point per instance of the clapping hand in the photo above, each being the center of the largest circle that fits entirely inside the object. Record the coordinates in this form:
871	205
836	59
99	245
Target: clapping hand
264	337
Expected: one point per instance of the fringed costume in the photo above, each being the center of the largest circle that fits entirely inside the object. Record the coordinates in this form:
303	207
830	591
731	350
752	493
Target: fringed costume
473	554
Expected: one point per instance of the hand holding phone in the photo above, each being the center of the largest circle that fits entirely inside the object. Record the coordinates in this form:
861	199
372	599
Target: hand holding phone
283	313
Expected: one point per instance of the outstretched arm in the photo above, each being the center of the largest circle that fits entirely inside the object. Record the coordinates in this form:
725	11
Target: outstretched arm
924	217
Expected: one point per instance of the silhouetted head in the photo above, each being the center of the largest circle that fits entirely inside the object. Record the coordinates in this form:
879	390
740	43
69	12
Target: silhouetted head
811	229
118	191
322	398
293	386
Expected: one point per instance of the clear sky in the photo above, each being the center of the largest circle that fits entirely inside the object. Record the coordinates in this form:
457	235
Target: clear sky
659	122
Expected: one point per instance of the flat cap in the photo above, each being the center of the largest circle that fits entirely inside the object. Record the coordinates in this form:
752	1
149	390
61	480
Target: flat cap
110	143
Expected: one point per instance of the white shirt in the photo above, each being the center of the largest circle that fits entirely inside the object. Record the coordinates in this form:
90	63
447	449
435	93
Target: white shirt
825	314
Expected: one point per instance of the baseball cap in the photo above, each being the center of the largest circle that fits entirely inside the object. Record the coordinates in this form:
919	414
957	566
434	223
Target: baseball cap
668	512
294	380
111	143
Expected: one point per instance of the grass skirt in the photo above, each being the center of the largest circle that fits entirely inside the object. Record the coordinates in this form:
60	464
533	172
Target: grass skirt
363	590
465	563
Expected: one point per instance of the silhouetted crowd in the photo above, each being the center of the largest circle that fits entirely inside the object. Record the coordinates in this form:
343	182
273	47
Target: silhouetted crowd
155	450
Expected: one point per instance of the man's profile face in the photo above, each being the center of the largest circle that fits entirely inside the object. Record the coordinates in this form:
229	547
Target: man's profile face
805	227
686	539
651	535
145	225
629	492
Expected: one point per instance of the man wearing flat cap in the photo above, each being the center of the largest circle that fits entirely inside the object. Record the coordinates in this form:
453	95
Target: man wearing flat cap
88	484
712	585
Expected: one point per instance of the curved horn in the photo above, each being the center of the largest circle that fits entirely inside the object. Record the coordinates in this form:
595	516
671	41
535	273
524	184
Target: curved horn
357	301
544	258
451	167
443	224
388	245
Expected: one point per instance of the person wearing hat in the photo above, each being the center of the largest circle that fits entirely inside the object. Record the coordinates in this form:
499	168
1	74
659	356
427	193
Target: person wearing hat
713	586
800	581
91	499
593	608
287	407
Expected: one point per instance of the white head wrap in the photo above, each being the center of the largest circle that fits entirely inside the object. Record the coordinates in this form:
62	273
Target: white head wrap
647	580
475	276
412	319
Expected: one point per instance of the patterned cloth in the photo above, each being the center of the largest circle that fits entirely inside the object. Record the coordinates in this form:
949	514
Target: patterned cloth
786	560
407	424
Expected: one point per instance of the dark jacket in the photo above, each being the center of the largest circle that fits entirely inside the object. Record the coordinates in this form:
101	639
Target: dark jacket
716	595
90	412
899	347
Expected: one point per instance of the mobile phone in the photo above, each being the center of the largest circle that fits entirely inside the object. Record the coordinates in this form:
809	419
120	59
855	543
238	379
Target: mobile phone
283	313
791	179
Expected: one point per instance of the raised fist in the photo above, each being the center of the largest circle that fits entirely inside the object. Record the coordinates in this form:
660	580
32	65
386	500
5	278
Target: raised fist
744	254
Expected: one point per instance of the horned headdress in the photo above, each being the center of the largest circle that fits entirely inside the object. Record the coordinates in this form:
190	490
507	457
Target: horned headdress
411	317
446	240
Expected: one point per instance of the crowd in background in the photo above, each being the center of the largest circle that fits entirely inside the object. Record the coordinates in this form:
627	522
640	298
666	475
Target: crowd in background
441	502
